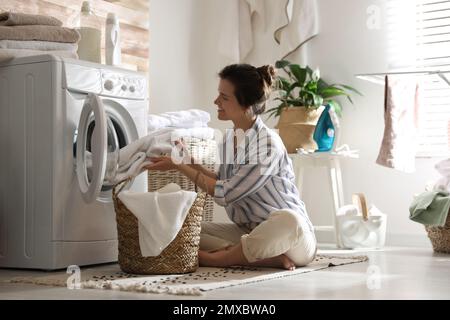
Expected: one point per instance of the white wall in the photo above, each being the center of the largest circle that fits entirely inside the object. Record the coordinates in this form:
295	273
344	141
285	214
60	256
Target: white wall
183	73
183	59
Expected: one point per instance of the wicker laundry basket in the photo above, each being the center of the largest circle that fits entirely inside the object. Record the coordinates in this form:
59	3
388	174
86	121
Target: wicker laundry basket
204	151
440	236
180	256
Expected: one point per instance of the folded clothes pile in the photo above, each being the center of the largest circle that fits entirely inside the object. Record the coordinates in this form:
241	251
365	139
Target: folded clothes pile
191	118
24	35
443	182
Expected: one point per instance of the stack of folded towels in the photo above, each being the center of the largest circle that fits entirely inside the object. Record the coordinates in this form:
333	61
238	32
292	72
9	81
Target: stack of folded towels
194	121
28	35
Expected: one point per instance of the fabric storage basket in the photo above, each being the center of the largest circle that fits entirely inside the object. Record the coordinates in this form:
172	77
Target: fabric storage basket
204	151
180	256
440	236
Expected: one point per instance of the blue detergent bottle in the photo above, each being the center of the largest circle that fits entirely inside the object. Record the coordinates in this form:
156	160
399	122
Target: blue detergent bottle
325	131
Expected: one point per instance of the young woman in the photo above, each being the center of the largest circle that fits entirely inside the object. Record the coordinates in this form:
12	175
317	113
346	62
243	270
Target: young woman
255	183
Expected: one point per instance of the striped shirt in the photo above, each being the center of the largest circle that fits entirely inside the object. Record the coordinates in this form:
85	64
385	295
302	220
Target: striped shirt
258	179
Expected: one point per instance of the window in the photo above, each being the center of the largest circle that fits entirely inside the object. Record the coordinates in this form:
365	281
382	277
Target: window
433	48
419	39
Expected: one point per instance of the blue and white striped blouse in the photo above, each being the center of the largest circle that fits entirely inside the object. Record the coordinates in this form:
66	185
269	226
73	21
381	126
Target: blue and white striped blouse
258	180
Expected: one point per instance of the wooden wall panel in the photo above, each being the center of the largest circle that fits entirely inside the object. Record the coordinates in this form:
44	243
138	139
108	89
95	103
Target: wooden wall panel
132	14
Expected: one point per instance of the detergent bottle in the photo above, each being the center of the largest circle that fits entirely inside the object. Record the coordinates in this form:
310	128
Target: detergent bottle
325	133
112	40
89	27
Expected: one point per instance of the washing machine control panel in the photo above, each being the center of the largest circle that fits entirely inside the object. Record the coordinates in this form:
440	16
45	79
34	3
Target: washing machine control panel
124	85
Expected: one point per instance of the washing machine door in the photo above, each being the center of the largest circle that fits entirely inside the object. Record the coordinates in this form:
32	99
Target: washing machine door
91	162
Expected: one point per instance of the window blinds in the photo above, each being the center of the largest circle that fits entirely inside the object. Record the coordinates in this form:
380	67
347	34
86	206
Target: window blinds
433	53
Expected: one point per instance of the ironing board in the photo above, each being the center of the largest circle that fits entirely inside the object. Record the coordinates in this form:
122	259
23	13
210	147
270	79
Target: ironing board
331	161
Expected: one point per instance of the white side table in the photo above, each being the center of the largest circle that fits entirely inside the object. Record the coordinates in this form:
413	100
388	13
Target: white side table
331	161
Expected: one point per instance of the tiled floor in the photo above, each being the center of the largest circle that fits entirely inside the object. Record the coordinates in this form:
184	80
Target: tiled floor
394	273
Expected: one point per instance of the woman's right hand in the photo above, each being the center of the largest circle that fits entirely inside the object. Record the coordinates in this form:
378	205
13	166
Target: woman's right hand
163	163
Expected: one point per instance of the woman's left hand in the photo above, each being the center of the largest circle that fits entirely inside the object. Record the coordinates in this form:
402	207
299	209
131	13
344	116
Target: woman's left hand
163	163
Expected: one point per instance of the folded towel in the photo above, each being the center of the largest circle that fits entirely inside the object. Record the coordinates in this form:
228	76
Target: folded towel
42	33
190	118
9	54
430	208
22	19
160	215
38	45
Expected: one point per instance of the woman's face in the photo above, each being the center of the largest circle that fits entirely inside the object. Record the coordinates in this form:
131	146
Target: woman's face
228	106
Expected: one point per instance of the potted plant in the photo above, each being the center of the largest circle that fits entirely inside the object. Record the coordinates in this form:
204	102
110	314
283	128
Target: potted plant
303	96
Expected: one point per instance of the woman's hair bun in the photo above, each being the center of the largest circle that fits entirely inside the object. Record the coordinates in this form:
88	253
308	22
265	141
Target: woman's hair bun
267	72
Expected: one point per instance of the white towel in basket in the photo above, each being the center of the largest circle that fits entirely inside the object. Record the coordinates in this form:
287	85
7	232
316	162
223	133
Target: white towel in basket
133	157
160	214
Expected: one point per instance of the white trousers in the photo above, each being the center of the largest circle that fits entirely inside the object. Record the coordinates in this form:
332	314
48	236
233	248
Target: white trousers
284	232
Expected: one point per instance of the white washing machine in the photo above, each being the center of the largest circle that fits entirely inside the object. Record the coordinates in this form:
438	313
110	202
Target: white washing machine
62	122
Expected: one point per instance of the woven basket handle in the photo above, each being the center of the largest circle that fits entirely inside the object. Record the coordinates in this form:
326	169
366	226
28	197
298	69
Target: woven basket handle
120	185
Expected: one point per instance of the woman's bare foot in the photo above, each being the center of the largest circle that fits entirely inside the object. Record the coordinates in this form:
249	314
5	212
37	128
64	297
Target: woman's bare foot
234	257
281	261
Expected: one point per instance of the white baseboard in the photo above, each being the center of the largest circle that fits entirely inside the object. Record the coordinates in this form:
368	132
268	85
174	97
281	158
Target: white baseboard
408	240
392	239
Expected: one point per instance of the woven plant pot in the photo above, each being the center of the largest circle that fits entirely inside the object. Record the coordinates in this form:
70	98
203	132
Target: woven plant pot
440	236
180	256
296	128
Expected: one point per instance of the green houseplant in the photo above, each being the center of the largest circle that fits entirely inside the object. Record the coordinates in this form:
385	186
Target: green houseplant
302	95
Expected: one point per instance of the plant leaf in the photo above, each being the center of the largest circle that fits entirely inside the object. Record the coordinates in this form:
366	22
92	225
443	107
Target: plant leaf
321	85
350	88
280	64
350	99
332	92
285	83
316	100
292	87
299	73
309	71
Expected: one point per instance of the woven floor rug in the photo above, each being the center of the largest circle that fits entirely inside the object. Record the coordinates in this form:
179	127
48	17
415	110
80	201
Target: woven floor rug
204	279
